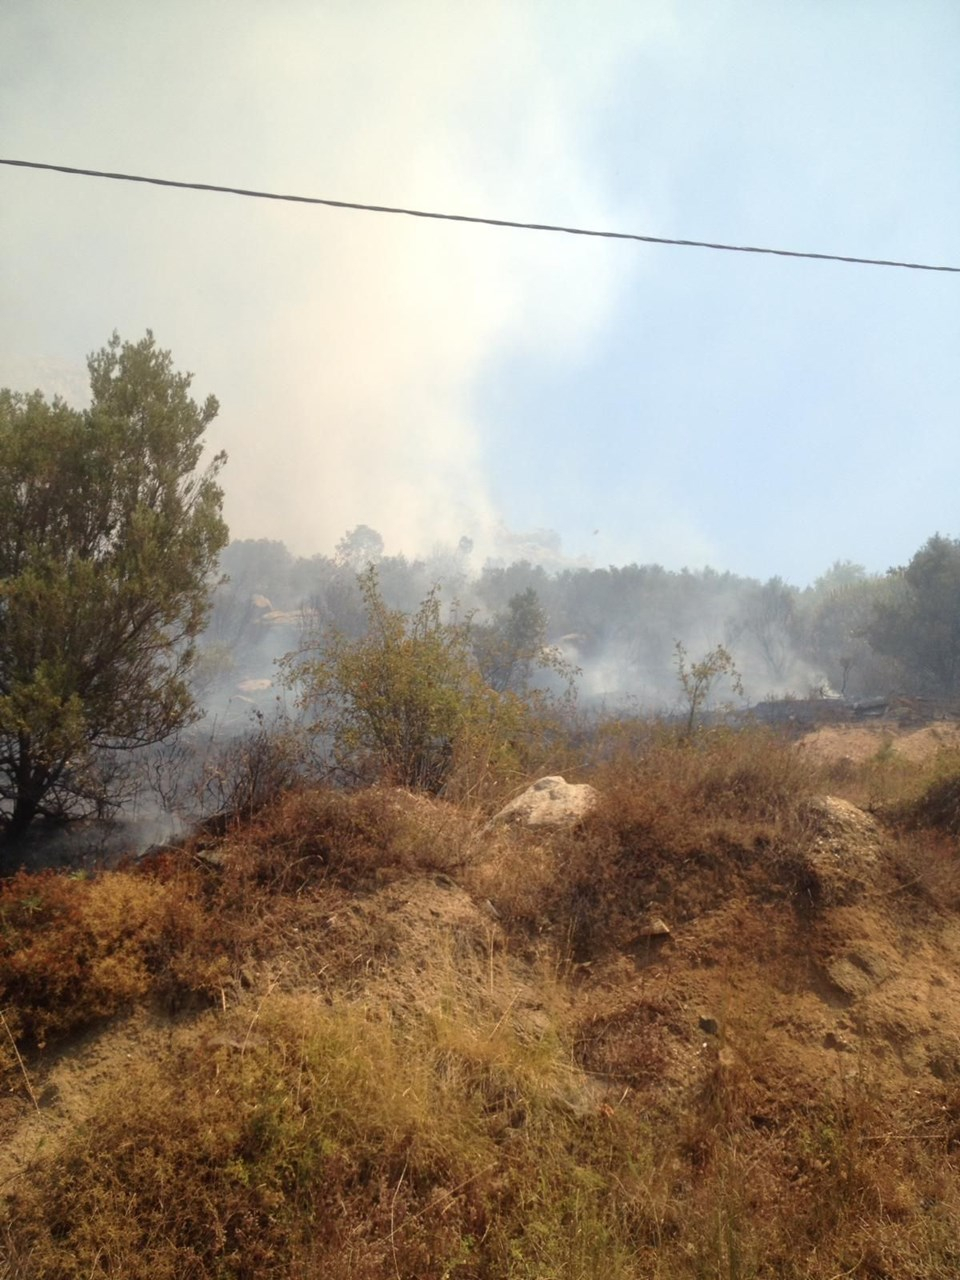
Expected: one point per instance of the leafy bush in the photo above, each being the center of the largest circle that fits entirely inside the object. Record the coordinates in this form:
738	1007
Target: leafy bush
406	703
698	679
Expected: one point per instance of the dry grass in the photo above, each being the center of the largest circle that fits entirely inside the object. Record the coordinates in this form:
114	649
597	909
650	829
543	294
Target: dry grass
187	927
680	819
318	1140
379	1080
932	801
352	839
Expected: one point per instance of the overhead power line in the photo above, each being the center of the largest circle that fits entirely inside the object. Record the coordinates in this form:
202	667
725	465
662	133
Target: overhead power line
470	218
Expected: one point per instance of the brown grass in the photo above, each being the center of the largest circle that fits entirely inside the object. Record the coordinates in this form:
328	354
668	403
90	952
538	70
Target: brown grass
684	820
351	839
379	1079
77	950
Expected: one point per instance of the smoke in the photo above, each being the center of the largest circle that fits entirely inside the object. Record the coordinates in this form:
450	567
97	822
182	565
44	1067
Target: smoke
344	347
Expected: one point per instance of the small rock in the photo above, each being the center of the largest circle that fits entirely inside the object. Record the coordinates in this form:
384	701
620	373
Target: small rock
857	972
709	1025
654	928
213	858
834	1041
255	685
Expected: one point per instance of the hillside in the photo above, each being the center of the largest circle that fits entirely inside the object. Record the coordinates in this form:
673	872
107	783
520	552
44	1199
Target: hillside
711	1029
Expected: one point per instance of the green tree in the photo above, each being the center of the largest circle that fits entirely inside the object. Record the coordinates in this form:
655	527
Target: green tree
918	623
511	647
361	547
835	616
768	618
109	535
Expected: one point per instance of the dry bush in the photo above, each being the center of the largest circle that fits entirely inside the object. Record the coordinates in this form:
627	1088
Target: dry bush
351	839
774	1173
493	762
191	923
933	801
752	776
927	864
517	872
73	950
926	819
683	821
243	774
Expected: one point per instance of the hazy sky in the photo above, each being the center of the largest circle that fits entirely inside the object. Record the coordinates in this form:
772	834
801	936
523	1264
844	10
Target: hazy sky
761	415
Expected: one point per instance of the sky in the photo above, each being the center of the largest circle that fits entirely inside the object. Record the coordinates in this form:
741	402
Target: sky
625	402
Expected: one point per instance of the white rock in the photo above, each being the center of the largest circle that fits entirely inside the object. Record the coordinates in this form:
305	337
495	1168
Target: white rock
550	802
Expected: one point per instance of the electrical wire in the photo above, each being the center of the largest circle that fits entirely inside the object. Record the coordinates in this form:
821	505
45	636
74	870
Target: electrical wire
475	220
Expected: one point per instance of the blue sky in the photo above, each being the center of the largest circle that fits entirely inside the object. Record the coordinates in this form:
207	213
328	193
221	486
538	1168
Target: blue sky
648	404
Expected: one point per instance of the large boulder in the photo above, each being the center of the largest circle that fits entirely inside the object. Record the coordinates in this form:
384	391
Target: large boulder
550	802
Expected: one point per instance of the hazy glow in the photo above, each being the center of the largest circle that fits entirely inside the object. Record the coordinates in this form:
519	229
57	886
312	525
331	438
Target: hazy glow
434	380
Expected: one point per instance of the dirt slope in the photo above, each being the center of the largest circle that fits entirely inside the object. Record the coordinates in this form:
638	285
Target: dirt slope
857	743
794	1034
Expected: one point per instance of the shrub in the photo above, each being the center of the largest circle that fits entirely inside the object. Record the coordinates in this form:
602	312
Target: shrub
698	679
352	839
74	950
405	703
937	807
242	775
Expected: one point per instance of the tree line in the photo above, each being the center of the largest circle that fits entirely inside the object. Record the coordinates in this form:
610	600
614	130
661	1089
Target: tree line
122	602
851	633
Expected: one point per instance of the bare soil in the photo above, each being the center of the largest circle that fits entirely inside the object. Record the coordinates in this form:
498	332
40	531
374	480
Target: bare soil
859	743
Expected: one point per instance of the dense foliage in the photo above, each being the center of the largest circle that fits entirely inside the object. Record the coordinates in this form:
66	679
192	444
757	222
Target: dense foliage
109	533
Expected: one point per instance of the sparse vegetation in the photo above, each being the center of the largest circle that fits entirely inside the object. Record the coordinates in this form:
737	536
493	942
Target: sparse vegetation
698	679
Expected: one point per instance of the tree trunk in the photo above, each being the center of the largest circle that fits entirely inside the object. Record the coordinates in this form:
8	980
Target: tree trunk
30	792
